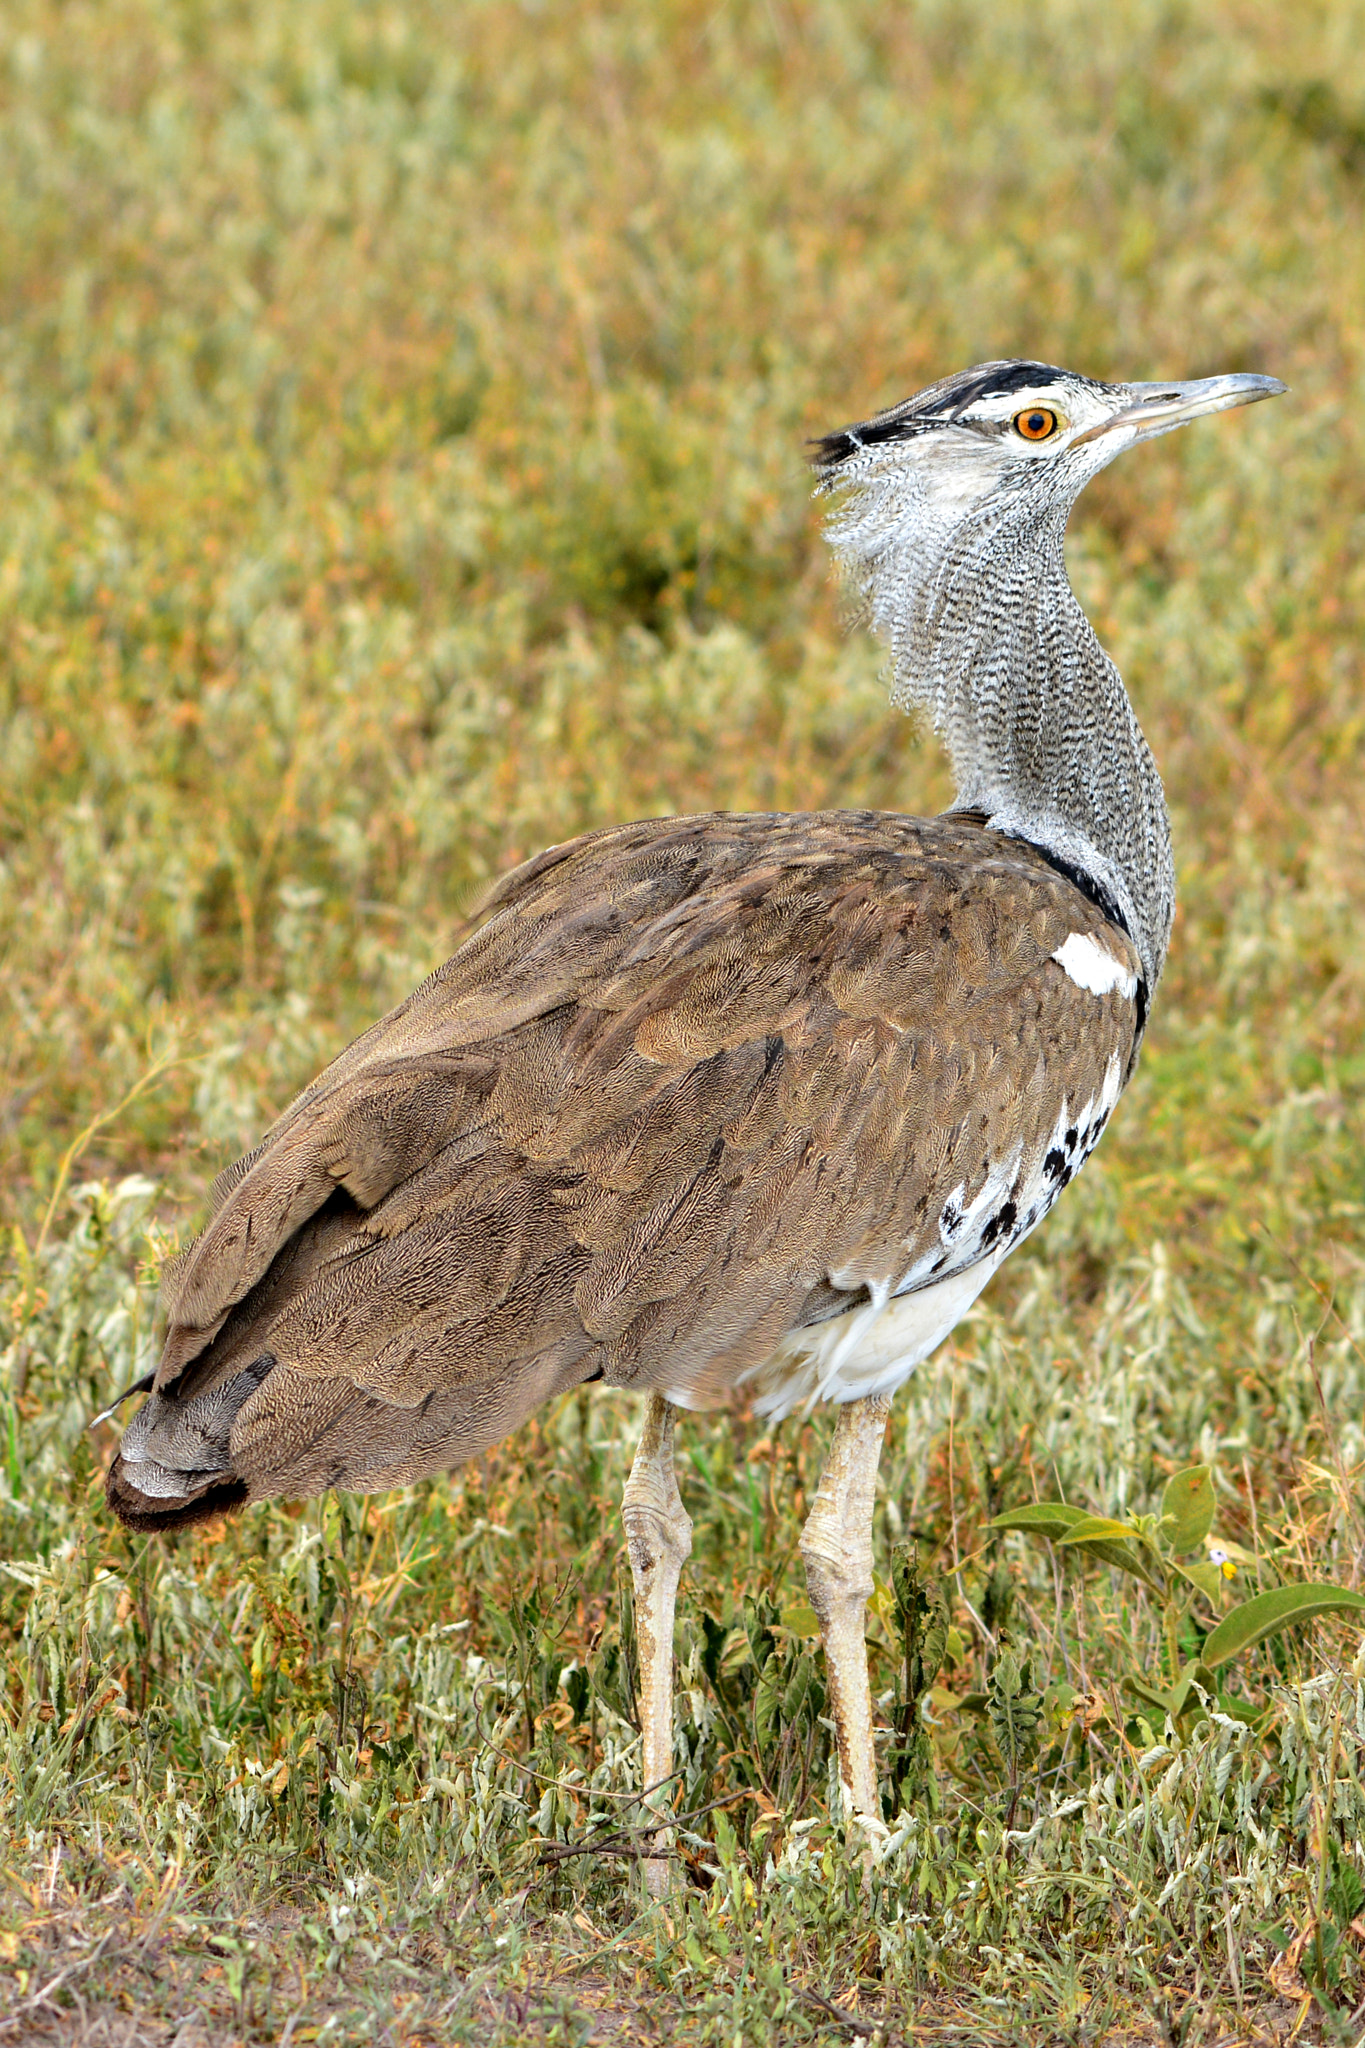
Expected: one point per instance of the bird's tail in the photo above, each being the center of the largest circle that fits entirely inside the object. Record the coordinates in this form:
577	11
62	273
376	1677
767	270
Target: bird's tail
174	1465
273	1402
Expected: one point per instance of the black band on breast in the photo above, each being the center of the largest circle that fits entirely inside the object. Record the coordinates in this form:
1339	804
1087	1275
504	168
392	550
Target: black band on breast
1093	891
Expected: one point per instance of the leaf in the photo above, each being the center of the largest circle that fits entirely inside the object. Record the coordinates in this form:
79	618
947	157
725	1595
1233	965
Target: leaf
715	1637
804	1690
1049	1518
1125	1560
1196	1674
1270	1612
1014	1710
1059	1702
1187	1507
1058	1523
1175	1699
1238	1709
801	1620
1207	1578
1093	1528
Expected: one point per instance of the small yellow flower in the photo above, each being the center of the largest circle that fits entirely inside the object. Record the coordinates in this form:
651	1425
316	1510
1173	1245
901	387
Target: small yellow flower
1224	1563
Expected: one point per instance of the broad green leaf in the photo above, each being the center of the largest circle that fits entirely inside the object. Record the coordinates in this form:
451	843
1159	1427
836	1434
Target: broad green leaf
1059	1702
1092	1528
1194	1674
801	1620
1207	1577
1238	1709
1058	1523
942	1700
1187	1507
1176	1699
1123	1560
1049	1518
1269	1612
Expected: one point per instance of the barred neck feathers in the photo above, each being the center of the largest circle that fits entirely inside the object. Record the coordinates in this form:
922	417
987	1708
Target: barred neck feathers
952	529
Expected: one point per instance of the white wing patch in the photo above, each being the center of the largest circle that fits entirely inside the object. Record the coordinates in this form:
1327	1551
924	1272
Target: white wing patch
1093	967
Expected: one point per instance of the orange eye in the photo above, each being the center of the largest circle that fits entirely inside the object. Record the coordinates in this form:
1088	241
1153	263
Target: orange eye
1035	423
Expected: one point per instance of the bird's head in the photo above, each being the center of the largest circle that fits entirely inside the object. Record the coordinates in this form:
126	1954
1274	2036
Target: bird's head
1012	434
953	504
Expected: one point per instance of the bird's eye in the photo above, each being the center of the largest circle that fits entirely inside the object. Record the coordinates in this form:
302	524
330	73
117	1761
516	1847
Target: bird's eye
1035	423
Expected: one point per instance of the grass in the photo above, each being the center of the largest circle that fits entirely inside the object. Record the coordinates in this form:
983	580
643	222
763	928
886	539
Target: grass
402	412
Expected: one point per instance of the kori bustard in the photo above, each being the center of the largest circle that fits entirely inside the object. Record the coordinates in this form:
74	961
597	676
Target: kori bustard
729	1102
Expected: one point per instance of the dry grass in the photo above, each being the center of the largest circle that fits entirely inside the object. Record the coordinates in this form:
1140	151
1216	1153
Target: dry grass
402	412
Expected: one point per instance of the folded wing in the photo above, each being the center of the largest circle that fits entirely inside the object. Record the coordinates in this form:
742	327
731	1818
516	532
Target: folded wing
692	1084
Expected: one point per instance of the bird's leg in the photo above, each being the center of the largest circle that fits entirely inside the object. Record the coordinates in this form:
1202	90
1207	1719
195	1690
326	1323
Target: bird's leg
836	1545
659	1533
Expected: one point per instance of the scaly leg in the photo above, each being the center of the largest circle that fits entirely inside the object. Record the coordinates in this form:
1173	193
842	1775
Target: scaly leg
836	1545
659	1532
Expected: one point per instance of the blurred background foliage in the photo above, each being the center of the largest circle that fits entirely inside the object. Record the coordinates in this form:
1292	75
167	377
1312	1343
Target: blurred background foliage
402	410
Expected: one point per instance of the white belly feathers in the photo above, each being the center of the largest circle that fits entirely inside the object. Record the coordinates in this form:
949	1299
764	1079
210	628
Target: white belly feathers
870	1350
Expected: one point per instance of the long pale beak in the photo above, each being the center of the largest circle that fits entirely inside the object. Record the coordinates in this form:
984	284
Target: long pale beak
1161	408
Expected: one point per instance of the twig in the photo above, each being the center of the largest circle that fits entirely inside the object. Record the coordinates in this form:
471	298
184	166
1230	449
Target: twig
855	2021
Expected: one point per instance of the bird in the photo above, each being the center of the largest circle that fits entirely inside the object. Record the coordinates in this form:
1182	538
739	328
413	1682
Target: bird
733	1104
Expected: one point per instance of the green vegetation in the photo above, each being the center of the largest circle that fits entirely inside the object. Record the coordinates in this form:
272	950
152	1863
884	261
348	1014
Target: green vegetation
402	409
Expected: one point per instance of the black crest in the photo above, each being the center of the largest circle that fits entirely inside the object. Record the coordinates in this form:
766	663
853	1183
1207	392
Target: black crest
942	404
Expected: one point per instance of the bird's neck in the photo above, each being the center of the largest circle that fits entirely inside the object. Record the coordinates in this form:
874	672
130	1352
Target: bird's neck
987	634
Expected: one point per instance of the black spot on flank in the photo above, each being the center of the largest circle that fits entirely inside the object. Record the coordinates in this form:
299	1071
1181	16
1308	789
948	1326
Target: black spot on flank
1071	1138
1002	1221
1055	1164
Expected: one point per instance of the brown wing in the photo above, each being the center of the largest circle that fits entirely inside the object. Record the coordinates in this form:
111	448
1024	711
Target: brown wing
694	1082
